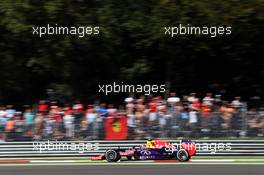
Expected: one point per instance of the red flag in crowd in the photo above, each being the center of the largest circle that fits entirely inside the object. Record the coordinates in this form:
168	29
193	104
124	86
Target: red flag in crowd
116	128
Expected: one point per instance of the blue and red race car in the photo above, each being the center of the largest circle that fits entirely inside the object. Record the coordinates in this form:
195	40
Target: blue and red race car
161	150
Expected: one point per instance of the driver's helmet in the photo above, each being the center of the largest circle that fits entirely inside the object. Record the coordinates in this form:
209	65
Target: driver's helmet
150	143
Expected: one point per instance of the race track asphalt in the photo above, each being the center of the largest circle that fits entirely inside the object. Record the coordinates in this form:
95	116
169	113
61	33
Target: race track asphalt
133	170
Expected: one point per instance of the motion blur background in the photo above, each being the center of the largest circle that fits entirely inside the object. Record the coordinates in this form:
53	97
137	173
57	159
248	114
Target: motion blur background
49	85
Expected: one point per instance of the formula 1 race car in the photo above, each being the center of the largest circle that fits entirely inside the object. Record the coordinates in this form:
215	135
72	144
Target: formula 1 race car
161	151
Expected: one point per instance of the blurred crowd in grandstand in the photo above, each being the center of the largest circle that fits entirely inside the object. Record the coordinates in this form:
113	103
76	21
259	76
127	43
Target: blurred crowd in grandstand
147	116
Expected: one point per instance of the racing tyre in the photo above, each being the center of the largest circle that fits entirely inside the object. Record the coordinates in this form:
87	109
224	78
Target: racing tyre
112	156
183	155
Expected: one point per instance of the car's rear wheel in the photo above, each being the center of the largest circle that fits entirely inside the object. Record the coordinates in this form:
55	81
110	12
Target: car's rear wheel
183	155
112	156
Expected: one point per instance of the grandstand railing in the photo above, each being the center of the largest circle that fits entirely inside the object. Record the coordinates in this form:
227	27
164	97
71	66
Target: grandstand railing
32	149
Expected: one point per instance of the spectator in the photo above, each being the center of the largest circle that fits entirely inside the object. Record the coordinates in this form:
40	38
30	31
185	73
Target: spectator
42	107
110	109
19	125
10	128
57	113
227	112
184	117
39	122
152	110
10	112
217	103
193	120
208	100
91	122
252	122
162	122
68	121
236	103
29	120
185	103
195	104
84	129
131	123
78	115
102	110
2	112
192	98
260	126
173	98
3	121
139	116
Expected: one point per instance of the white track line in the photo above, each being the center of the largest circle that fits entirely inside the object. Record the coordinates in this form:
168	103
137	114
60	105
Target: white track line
213	160
136	162
53	161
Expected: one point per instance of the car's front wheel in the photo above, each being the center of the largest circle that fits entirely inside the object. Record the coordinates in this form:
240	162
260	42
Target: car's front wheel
112	156
183	155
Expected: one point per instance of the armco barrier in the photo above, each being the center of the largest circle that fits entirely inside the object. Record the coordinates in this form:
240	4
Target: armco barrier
90	148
